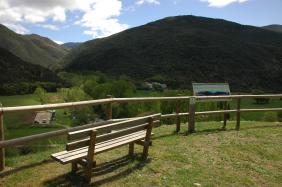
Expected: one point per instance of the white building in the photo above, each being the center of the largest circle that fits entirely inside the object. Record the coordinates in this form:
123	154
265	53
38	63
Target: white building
44	117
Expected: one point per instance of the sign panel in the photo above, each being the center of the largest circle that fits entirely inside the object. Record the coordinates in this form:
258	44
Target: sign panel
211	89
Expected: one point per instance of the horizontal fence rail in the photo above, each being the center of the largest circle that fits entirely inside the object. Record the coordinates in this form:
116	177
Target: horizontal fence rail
125	100
55	106
27	139
110	100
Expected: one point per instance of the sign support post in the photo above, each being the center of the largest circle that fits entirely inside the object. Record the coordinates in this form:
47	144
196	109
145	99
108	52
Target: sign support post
225	115
192	110
2	150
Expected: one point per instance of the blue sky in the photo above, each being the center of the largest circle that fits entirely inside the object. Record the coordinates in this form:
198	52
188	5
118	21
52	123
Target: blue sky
81	20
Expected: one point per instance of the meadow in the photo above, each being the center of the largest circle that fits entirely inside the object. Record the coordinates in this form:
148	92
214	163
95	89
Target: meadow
209	157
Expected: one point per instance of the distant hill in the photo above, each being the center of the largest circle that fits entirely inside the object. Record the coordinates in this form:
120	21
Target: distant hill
32	48
18	76
71	45
276	28
182	49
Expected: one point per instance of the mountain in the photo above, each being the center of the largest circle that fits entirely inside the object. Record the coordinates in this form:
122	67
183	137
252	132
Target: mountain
71	45
276	28
182	49
18	76
32	48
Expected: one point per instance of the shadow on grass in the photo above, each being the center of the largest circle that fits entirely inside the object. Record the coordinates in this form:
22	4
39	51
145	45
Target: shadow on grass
167	135
220	130
278	125
21	168
263	126
109	170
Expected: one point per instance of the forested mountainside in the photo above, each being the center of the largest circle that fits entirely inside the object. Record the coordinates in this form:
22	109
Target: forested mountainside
32	48
179	50
19	77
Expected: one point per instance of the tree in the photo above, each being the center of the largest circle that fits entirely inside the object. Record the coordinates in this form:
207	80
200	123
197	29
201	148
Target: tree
79	115
41	94
122	88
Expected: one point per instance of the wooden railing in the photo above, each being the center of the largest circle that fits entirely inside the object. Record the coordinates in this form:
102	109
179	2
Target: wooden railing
191	113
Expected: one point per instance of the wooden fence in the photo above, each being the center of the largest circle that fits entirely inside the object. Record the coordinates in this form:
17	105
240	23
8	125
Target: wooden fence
191	113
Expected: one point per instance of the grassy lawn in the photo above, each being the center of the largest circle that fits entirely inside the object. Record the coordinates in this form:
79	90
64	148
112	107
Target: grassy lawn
25	119
209	157
19	100
19	118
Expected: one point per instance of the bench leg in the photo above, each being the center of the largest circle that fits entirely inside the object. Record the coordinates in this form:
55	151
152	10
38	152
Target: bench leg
145	151
74	167
147	139
131	149
88	172
90	156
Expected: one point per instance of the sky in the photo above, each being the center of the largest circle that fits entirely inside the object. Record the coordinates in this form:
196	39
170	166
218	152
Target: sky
81	20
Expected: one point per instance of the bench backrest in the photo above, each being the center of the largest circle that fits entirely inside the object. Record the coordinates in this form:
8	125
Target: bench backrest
82	138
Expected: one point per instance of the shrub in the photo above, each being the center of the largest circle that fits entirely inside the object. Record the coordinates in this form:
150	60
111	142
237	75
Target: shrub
261	100
270	116
41	94
279	116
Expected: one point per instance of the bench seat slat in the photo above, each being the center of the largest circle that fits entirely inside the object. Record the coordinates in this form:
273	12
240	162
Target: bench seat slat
65	157
79	150
83	153
66	152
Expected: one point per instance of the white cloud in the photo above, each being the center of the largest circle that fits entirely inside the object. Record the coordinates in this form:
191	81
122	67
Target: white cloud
58	42
59	14
51	27
222	3
16	27
138	3
99	17
141	2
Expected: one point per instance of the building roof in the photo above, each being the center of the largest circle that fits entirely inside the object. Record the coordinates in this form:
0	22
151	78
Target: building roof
43	117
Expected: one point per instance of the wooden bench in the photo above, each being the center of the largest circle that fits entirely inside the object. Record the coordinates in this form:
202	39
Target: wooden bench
83	145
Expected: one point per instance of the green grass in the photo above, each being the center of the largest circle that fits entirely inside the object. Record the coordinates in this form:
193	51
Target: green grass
19	100
33	147
19	118
23	119
26	131
209	157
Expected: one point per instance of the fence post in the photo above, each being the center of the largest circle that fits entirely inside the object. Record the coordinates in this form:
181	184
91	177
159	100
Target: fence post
238	114
109	110
2	150
224	115
192	109
177	111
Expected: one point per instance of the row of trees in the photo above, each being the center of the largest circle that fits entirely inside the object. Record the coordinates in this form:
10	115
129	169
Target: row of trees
21	88
97	86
